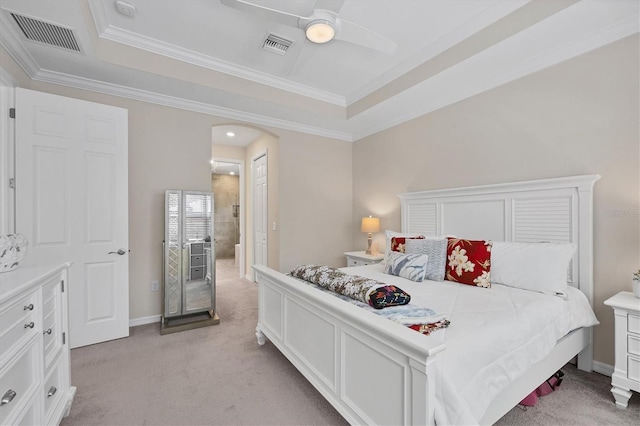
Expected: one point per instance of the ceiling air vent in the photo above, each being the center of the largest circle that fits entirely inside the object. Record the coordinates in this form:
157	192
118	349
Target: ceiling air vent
277	44
46	33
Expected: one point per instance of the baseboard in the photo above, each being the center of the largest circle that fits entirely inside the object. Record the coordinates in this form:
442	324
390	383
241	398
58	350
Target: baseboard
249	277
144	320
602	368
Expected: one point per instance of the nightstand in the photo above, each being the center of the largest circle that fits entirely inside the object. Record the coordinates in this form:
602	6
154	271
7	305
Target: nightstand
360	258
626	375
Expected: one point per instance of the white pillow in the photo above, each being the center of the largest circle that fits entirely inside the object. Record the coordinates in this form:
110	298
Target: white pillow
539	267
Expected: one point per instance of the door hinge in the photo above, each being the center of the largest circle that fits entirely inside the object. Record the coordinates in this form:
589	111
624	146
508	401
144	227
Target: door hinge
64	338
12	113
62	285
12	183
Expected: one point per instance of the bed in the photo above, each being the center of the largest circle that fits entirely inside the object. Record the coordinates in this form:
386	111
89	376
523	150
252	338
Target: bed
376	371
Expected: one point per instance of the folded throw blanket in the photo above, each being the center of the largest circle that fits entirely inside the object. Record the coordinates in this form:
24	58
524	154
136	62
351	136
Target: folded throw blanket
376	294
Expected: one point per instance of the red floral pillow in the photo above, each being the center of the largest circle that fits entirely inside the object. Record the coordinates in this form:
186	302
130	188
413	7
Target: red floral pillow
398	243
469	262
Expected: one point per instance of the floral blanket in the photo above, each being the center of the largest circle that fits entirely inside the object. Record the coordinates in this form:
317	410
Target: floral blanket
375	293
354	289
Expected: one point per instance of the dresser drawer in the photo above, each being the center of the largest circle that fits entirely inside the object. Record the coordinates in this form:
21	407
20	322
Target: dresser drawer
53	390
17	323
31	416
355	262
197	273
52	322
18	382
633	323
197	260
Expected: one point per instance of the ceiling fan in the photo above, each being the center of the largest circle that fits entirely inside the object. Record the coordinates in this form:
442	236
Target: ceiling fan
322	26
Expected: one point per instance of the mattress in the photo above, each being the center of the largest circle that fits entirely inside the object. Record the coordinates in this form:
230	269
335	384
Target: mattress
495	335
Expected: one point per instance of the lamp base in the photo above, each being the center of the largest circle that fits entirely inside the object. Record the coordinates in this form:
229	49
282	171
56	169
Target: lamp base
368	244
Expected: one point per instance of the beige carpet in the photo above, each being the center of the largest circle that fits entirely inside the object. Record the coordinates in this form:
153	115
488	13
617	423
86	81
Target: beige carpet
218	375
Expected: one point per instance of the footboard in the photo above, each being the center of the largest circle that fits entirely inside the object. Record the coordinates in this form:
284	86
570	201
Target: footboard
372	370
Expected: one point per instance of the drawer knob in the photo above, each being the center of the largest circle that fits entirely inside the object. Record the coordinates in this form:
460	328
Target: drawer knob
47	332
7	397
30	325
28	307
52	391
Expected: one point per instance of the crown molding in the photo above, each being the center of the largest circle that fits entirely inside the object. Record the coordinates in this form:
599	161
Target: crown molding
457	92
68	80
118	35
487	17
14	47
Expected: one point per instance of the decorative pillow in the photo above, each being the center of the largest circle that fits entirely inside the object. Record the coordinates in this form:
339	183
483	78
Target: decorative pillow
390	235
436	250
388	295
399	244
539	267
410	266
469	261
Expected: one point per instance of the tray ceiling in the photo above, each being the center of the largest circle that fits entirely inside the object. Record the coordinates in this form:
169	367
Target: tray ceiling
206	56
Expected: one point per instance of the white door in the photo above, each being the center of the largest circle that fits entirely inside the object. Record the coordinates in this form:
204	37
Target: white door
72	204
260	210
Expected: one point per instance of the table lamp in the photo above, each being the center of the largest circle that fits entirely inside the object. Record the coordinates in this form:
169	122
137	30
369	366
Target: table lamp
370	225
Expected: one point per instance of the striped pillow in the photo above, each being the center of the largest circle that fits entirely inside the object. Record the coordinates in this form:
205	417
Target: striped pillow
437	252
410	266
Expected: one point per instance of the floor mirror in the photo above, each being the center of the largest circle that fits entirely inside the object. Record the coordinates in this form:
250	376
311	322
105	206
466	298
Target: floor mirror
189	288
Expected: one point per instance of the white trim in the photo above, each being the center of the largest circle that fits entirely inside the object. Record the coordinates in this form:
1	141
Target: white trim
119	35
7	149
145	320
13	45
602	368
484	19
242	209
185	104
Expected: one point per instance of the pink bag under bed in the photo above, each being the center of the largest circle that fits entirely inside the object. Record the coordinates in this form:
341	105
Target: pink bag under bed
544	389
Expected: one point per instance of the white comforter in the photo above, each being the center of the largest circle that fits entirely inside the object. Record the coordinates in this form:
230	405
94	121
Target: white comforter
495	335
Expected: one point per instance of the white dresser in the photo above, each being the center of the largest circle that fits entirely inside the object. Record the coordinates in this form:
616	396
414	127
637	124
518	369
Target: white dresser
35	386
626	375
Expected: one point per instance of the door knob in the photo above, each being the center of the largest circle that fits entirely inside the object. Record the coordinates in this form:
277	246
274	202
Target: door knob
120	252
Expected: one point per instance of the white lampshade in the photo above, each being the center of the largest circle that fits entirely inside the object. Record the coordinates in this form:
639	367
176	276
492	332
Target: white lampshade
370	224
320	31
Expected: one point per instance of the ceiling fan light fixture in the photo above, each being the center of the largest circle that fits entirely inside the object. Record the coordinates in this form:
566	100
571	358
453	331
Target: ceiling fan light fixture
320	31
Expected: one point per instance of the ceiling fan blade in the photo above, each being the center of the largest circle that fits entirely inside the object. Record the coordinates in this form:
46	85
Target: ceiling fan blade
306	53
332	5
354	33
264	12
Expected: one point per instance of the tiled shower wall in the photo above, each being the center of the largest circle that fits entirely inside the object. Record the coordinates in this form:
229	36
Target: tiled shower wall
226	194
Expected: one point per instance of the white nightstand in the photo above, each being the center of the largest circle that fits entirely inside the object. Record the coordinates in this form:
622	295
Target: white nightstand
626	375
360	258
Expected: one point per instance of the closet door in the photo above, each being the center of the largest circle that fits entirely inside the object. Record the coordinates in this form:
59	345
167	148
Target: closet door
72	204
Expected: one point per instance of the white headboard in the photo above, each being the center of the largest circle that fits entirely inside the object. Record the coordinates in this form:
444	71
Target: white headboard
556	210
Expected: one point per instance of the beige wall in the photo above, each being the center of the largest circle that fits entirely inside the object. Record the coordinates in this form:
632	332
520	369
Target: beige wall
171	148
316	184
579	117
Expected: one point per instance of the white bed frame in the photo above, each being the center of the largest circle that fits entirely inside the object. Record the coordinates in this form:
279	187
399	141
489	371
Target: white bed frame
335	344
